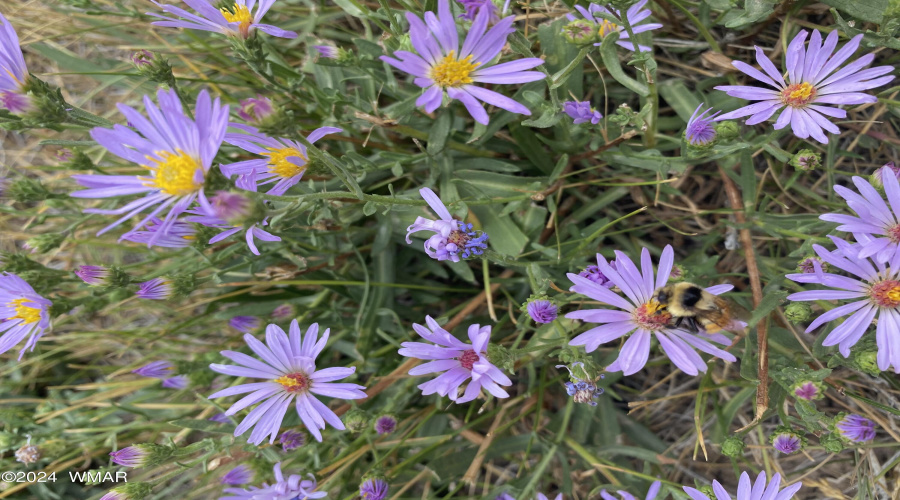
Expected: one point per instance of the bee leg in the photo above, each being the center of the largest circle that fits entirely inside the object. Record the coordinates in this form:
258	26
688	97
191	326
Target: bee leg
678	321
692	324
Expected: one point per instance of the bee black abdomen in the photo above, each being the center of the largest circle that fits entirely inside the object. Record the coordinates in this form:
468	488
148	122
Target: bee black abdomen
691	296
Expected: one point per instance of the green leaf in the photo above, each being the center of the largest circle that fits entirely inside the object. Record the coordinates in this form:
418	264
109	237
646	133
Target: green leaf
492	184
562	76
611	61
440	131
865	10
548	118
754	10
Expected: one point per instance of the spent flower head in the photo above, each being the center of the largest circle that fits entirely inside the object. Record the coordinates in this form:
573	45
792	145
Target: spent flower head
855	428
453	239
385	424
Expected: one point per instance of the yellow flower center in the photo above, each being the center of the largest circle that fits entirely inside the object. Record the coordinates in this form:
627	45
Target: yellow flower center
451	72
798	95
175	174
293	382
886	293
241	15
27	314
279	164
606	28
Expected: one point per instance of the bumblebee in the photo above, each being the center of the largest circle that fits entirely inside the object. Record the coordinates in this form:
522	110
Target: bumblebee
696	309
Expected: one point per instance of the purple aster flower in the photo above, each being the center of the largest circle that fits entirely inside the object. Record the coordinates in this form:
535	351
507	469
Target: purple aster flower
459	362
542	311
256	109
641	317
23	313
132	456
178	234
440	66
291	440
177	382
582	112
219	418
237	476
284	162
13	73
874	292
176	150
238	20
327	51
156	369
541	496
635	15
452	238
289	365
283	311
385	424
142	58
787	442
373	489
876	225
747	491
651	493
293	487
700	130
155	289
245	324
473	7
856	429
812	81
807	390
115	494
93	275
594	274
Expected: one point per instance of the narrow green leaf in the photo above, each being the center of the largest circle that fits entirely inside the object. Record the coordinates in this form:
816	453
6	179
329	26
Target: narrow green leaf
611	60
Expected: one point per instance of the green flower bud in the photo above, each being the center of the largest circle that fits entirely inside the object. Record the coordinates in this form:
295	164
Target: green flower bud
77	160
43	243
581	32
727	130
132	491
356	420
501	357
49	107
27	190
405	43
798	312
867	361
183	284
707	490
733	447
832	442
154	67
806	160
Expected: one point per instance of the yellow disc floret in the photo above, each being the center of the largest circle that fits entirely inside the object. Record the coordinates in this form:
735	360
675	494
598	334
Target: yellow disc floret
279	164
452	72
798	95
238	14
293	382
176	173
606	28
27	314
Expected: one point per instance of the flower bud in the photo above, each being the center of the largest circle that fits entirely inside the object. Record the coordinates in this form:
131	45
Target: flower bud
356	420
808	390
889	168
255	110
155	289
27	190
798	312
832	442
786	440
733	447
237	209
291	440
129	491
581	32
183	284
852	428
326	51
44	243
806	160
93	275
385	424
77	160
807	265
143	455
283	311
727	130
501	357
153	67
48	108
541	309
867	361
237	476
